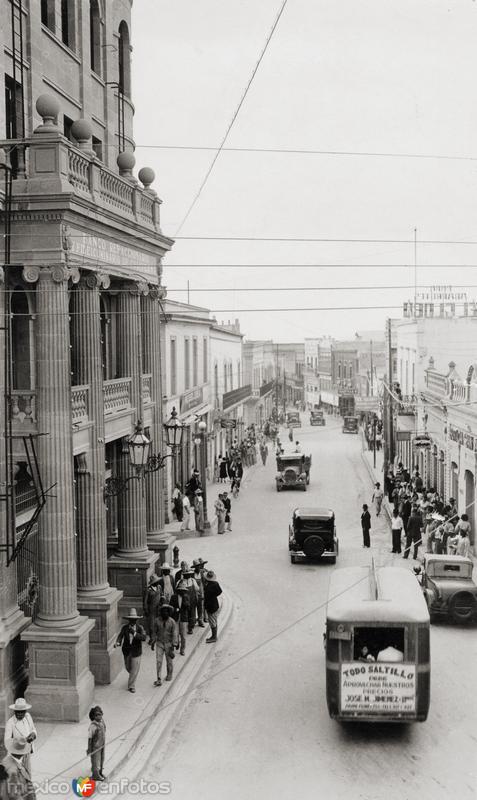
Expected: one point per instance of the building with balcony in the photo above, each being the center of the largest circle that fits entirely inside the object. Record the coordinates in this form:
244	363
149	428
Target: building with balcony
259	371
437	395
231	396
81	289
186	385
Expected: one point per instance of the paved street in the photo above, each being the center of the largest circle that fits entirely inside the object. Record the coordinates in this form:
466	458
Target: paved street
260	727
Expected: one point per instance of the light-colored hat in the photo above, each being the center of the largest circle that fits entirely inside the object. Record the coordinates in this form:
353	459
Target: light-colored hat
18	746
20	704
132	614
165	565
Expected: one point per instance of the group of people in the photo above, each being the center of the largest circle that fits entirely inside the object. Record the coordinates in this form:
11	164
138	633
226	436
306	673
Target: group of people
188	502
419	512
173	606
223	508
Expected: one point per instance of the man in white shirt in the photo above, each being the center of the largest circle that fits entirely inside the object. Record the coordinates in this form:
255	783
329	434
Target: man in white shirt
20	725
390	653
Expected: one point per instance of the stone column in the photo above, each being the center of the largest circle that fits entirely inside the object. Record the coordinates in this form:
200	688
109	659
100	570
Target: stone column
133	562
12	620
61	684
96	599
156	482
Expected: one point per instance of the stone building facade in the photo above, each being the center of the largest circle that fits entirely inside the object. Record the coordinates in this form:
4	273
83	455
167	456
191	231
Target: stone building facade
82	289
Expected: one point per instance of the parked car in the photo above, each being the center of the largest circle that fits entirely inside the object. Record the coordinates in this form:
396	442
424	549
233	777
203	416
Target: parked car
312	535
448	587
293	471
317	418
293	419
350	425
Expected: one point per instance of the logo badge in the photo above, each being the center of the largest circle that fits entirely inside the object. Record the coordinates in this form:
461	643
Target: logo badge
83	787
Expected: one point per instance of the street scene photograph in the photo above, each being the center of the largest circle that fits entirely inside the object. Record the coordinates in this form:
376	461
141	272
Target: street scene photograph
238	399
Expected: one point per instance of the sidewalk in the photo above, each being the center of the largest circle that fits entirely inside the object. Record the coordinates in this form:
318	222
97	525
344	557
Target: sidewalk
376	473
60	754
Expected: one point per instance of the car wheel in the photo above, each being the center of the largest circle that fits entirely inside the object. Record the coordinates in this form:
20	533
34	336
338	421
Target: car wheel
314	546
304	487
462	607
292	559
278	489
332	560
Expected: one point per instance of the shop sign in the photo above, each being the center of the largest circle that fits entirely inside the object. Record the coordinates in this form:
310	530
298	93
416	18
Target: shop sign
192	399
378	687
460	437
423	442
228	423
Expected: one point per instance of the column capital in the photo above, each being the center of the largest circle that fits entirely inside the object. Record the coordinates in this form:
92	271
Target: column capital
59	273
136	288
96	280
157	292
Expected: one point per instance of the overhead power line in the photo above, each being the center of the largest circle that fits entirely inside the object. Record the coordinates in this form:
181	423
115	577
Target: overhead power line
307	152
342	288
235	115
327	240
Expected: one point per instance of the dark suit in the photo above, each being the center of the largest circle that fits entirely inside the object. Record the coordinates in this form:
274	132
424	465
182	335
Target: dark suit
132	650
366	527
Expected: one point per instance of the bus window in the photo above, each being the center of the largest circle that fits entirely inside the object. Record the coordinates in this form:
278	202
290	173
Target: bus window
377	640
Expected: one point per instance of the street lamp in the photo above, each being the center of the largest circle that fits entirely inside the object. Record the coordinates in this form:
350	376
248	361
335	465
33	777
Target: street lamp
200	440
141	459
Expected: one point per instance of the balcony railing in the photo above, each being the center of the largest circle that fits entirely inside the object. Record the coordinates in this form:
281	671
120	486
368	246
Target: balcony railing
117	395
147	389
79	404
436	382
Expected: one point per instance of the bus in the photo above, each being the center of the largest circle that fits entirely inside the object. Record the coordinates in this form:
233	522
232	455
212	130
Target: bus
377	646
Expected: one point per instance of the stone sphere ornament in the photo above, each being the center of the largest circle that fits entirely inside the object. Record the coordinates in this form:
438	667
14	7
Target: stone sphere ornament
147	176
48	108
82	131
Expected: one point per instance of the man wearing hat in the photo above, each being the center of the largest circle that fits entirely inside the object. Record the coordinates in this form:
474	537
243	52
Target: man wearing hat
166	583
18	779
151	602
164	639
20	725
131	636
212	590
187	591
197	576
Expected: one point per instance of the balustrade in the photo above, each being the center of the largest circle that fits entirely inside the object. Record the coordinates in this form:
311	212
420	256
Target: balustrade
79	404
78	171
117	395
147	389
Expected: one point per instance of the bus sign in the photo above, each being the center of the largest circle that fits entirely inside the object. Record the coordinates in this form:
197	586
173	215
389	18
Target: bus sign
378	687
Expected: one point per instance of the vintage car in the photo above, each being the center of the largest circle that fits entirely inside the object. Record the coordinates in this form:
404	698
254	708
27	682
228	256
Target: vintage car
293	471
293	419
312	535
317	418
350	425
448	587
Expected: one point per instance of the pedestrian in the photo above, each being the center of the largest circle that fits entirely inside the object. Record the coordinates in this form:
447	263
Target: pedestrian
97	743
188	583
463	545
192	485
16	783
185	525
220	514
151	601
199	510
212	591
366	525
378	498
19	725
130	639
463	524
297	447
396	531
197	576
164	640
177	503
413	533
290	434
167	584
223	472
264	453
228	510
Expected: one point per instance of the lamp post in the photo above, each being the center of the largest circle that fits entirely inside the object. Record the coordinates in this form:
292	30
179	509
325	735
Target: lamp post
140	457
200	440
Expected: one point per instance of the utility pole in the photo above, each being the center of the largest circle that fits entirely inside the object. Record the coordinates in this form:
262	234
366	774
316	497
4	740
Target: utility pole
284	393
276	380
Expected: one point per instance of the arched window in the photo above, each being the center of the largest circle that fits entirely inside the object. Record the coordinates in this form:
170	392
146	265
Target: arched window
95	36
124	60
21	344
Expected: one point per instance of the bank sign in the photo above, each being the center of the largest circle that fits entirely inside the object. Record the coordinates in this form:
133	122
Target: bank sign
378	688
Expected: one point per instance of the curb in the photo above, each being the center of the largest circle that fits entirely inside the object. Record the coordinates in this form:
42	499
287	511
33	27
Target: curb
139	742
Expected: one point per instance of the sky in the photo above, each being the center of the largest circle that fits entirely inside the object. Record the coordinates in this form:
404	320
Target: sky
383	89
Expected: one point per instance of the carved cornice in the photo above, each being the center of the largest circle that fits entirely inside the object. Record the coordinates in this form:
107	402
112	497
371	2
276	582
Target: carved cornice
136	288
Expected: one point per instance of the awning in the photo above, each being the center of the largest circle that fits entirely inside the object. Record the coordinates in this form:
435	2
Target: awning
191	416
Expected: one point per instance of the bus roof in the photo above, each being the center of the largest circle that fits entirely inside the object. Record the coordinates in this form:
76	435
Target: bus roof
394	595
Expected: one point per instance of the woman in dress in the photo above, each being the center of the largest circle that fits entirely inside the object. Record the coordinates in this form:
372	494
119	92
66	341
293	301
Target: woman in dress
220	514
